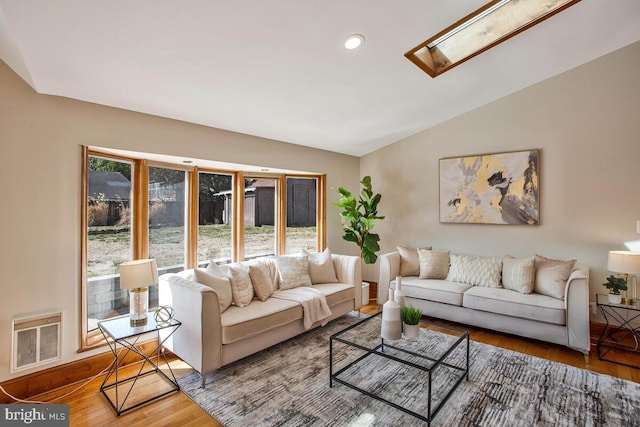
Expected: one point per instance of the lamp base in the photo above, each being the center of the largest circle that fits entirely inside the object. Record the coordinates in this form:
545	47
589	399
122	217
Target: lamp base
138	306
138	321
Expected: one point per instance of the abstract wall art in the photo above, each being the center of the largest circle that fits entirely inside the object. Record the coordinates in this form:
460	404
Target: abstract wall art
500	188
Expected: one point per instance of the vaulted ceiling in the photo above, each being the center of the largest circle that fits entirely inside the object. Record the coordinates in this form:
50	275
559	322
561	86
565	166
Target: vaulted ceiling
278	69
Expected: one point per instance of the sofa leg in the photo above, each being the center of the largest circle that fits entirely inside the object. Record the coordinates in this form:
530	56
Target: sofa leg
202	379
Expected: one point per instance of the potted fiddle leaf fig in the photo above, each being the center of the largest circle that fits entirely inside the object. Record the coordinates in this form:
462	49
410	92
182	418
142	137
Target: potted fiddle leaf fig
615	285
359	217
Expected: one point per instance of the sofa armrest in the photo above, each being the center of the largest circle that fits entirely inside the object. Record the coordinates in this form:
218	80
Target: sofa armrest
198	341
576	300
389	269
349	270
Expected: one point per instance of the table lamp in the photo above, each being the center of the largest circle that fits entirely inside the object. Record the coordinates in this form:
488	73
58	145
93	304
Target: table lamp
627	263
137	276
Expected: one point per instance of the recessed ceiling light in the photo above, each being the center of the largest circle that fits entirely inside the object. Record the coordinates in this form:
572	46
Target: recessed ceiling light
354	41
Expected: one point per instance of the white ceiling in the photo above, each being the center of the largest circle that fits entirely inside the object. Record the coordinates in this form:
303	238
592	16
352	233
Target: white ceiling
277	68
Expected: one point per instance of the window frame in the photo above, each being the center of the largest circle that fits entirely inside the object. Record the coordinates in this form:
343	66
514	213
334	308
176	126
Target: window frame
140	218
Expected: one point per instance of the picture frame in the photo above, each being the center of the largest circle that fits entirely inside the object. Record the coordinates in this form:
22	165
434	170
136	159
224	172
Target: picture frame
497	188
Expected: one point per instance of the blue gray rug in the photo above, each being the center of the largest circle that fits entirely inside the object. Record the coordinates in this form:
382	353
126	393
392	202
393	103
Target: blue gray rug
288	385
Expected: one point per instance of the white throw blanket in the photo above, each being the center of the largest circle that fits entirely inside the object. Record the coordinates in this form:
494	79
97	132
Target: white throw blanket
314	304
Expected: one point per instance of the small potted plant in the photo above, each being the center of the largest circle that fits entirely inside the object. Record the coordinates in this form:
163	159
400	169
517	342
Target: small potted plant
411	318
615	285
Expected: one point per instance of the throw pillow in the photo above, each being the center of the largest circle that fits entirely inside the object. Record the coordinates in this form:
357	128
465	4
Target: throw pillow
269	263
220	285
433	264
552	276
321	269
518	274
409	262
262	284
216	270
241	286
294	271
476	271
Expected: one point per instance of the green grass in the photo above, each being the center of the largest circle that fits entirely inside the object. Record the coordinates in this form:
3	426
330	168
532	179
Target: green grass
108	247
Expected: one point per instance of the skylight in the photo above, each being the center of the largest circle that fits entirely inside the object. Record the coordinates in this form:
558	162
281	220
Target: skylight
488	26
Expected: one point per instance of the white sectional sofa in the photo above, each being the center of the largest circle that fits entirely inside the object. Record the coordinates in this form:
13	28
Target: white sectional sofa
550	307
217	329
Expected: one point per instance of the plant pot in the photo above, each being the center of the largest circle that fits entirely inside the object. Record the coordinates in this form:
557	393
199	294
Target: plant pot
410	331
615	298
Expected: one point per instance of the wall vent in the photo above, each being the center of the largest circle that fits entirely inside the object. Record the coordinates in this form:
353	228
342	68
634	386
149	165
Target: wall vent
36	340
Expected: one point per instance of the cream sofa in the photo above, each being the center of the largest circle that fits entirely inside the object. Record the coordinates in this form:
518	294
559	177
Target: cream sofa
209	339
563	319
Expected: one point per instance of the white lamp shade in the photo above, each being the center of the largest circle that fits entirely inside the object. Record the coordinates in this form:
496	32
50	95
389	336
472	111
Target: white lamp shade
138	274
624	262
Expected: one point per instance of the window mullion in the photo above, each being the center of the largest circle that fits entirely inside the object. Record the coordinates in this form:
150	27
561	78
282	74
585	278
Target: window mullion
281	215
192	219
141	210
238	217
321	213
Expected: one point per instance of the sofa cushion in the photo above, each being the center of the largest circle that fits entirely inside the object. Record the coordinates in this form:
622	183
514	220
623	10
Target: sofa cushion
220	285
336	292
409	263
476	271
541	308
443	291
433	264
294	271
262	284
260	316
518	274
552	276
321	269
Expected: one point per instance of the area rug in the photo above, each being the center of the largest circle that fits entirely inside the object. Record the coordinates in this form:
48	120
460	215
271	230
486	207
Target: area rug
288	385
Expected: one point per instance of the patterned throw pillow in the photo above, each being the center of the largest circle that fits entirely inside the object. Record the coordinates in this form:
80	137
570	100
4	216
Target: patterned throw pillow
294	271
409	262
433	264
241	286
220	285
518	274
321	269
476	271
262	284
552	276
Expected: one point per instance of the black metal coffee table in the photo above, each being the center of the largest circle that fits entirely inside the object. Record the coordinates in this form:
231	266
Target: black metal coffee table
438	361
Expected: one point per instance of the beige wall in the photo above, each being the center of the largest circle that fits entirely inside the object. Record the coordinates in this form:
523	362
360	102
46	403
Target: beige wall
40	145
586	124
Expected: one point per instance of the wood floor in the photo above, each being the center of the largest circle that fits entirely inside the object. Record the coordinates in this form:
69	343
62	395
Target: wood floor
88	407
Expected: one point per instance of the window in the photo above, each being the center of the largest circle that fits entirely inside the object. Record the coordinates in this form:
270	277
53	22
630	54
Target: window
488	26
167	221
183	217
302	214
215	218
108	204
260	216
